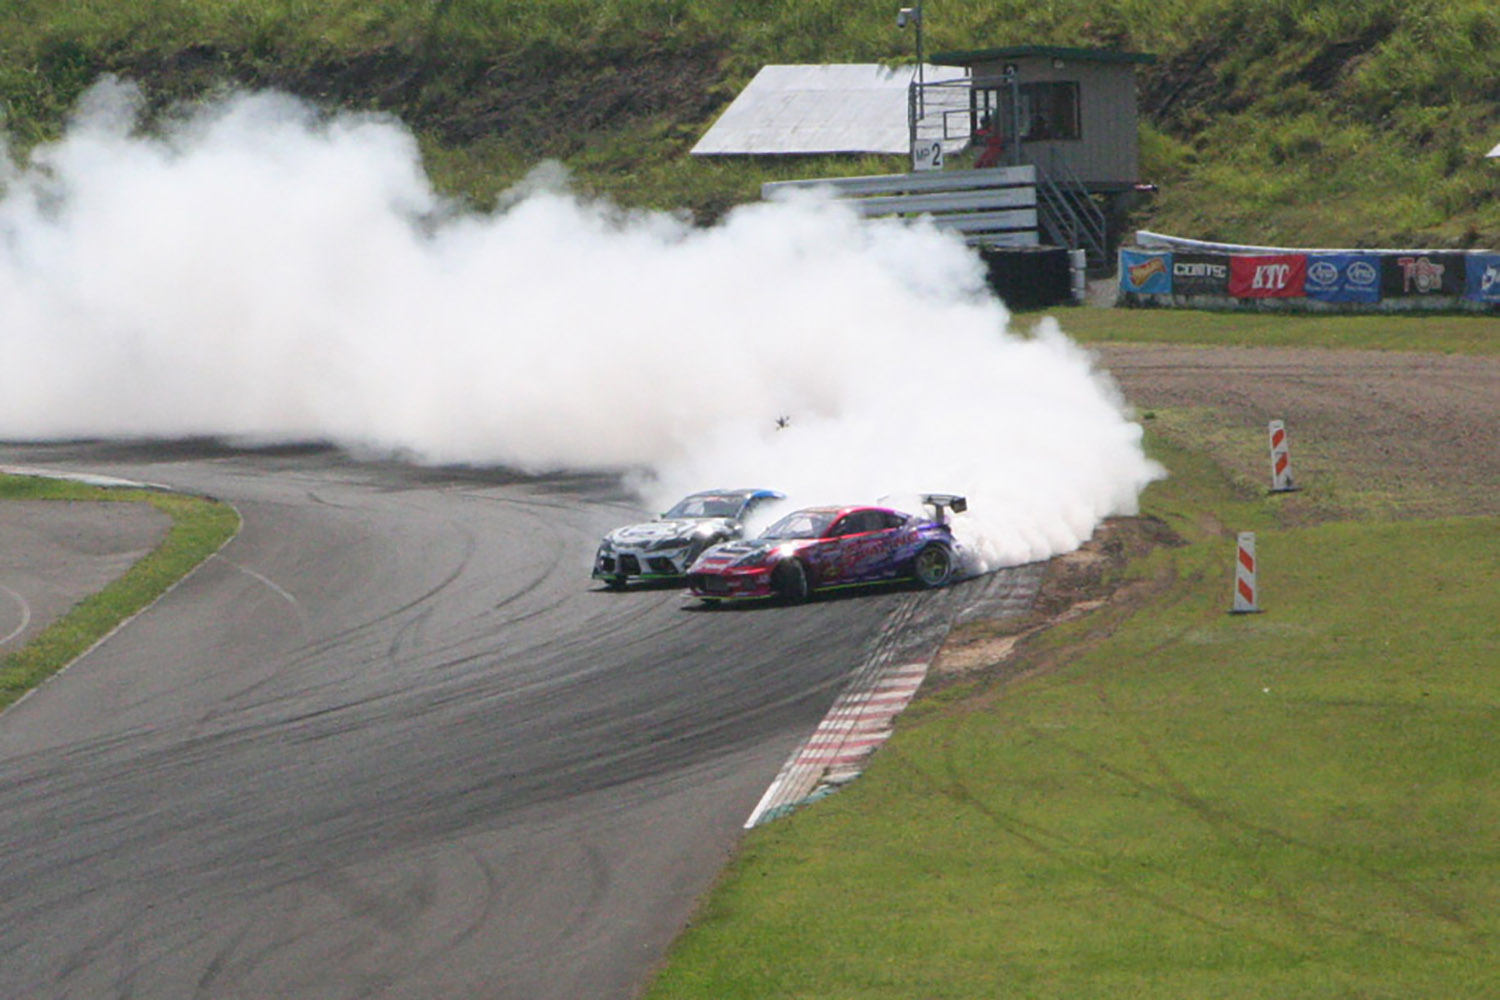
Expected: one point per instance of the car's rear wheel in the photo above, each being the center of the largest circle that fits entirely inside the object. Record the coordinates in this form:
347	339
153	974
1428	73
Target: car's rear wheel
789	581
933	566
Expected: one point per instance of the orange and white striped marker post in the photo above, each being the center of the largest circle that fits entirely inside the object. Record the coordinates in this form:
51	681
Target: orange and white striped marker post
1281	459
1246	598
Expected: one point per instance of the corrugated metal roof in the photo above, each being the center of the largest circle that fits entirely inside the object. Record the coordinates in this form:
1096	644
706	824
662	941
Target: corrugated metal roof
853	108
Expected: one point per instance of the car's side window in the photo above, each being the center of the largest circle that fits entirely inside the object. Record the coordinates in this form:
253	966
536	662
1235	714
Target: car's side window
861	521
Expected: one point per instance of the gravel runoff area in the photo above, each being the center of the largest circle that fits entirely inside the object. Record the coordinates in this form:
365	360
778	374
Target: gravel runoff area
1374	432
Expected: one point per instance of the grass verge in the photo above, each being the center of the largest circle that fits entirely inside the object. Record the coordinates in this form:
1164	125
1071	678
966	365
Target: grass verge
1444	334
199	528
1162	799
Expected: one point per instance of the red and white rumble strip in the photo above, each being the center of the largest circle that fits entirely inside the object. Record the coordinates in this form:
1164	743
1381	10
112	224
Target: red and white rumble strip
885	683
859	722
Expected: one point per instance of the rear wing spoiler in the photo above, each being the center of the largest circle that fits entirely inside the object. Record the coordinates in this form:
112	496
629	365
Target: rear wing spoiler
941	503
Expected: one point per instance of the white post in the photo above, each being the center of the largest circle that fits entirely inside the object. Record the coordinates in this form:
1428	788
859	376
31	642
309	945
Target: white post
1246	599
1281	459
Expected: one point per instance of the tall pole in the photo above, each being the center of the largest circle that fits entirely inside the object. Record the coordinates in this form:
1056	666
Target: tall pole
921	57
921	71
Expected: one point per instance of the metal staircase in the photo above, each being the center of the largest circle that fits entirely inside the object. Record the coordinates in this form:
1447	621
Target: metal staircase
1069	216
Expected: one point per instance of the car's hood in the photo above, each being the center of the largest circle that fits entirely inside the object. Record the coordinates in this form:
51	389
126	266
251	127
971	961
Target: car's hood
726	553
659	531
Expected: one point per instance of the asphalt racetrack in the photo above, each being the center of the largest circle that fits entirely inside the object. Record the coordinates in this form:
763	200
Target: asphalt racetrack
393	742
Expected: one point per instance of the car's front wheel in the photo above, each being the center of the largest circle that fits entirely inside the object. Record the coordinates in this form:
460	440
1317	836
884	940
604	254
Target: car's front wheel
789	581
933	566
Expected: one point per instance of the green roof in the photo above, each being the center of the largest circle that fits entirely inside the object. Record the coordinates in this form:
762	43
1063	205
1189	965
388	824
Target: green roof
968	57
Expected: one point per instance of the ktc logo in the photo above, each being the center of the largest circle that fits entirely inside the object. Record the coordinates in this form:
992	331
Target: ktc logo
1271	277
1420	274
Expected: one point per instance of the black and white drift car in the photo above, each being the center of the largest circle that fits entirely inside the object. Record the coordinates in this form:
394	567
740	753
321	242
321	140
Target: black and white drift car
663	549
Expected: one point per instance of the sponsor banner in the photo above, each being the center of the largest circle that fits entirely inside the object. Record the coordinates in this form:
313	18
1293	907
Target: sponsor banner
1415	274
1147	273
1483	271
1200	274
1343	277
1267	276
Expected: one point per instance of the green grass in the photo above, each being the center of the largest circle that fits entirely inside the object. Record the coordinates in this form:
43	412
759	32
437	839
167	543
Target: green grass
1303	122
1443	334
199	528
1180	803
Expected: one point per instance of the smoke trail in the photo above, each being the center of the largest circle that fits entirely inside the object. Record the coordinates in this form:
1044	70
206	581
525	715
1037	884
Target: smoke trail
259	271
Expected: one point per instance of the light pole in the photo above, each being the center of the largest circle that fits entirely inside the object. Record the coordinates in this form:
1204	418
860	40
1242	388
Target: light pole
913	16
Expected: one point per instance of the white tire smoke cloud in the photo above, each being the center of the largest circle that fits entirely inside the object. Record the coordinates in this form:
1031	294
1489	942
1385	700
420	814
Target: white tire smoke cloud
261	272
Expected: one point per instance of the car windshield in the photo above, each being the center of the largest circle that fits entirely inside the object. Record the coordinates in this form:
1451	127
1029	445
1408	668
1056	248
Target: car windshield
707	506
802	524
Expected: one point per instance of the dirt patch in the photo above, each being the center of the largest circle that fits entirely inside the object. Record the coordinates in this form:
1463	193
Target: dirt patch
1373	433
1380	434
1075	583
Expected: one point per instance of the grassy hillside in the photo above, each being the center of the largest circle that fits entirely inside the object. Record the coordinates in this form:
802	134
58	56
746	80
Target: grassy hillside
1300	121
1352	122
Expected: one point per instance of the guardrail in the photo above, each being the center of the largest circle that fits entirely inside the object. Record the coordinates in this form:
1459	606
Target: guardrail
994	206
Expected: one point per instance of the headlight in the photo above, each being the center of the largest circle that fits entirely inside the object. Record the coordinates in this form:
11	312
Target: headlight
670	543
757	558
606	547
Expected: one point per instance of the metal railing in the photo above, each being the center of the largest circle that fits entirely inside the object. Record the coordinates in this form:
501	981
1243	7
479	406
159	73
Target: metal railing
1070	215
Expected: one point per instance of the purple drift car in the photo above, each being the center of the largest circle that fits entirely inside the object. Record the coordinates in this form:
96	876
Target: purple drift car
822	548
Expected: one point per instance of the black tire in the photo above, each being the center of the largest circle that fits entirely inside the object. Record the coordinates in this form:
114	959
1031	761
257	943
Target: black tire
933	566
789	581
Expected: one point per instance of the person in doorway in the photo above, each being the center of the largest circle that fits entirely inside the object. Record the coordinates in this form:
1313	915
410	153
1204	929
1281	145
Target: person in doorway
994	143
